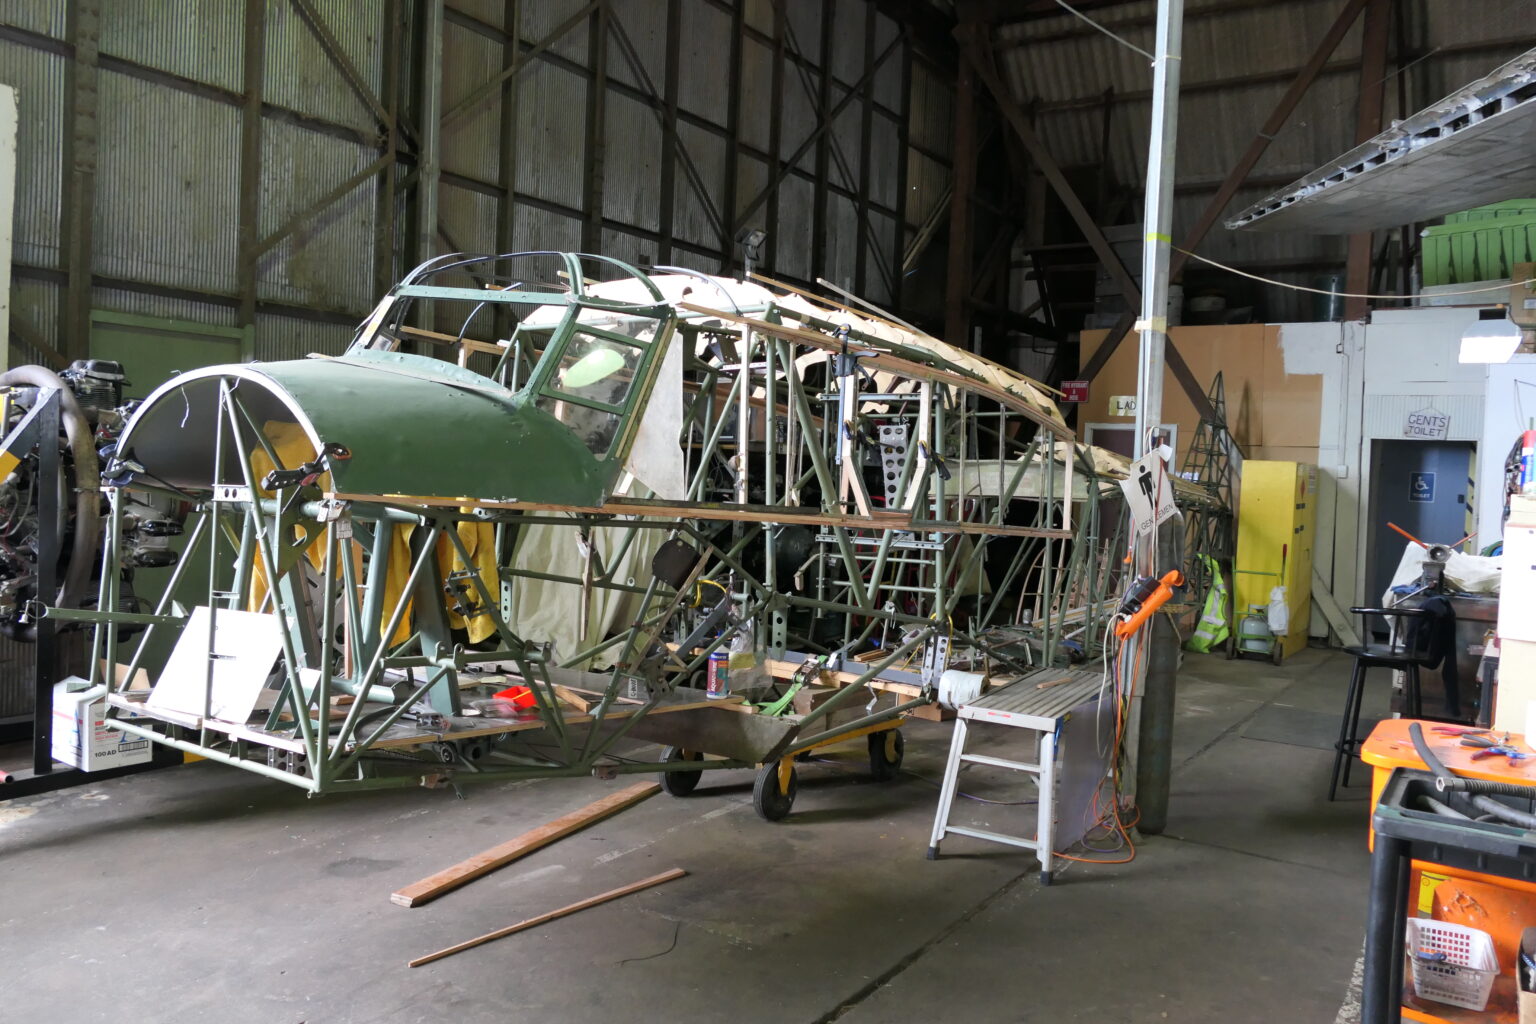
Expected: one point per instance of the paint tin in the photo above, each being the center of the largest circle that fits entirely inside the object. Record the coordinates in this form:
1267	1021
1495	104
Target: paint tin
719	685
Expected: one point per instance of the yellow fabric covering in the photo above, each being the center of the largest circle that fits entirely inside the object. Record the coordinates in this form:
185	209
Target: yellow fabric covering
293	448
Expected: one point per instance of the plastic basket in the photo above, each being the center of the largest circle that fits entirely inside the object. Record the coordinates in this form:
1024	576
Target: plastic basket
1465	977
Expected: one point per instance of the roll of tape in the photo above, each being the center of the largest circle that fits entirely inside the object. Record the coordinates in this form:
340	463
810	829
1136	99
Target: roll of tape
957	688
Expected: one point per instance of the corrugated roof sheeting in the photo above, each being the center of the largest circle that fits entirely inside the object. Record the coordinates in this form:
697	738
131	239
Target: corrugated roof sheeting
282	337
328	261
632	171
848	32
884	160
705	69
1216	125
847	135
842	241
1059	60
690	222
536	229
542	18
888	78
35	303
39	81
551	134
926	183
469	216
882	229
45	16
645	26
751	179
471	145
802	29
489	11
119	301
933	108
791	253
759	15
621	245
167	171
196	39
756	94
798	119
300	76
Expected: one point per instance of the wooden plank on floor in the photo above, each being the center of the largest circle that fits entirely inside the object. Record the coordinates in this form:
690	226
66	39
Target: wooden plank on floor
428	889
590	901
1342	626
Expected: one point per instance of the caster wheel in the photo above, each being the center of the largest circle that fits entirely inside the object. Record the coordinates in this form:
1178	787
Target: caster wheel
1276	654
933	853
680	783
885	753
768	801
1231	649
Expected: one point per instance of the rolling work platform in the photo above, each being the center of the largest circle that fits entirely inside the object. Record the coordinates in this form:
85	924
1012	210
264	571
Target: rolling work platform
1042	702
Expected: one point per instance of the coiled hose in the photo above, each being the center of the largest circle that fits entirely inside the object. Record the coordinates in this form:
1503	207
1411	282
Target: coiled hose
82	446
1480	790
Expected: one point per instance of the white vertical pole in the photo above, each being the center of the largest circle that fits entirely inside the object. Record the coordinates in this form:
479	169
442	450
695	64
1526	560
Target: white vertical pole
1158	221
1152	720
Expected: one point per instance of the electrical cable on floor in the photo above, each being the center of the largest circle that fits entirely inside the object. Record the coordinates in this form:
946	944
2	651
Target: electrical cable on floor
677	927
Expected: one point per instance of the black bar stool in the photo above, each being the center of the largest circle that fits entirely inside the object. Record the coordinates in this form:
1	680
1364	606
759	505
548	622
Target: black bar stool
1406	649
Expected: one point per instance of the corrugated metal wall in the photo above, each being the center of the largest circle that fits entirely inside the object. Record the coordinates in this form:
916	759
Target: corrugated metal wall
1239	58
165	225
166	210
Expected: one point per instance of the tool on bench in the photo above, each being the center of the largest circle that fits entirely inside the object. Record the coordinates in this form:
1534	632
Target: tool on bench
1460	730
309	472
1493	748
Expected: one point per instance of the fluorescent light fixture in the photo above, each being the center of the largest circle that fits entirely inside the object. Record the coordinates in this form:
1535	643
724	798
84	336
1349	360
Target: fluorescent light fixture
1492	338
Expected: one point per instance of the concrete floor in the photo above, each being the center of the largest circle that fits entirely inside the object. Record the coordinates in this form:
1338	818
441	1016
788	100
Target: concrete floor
205	894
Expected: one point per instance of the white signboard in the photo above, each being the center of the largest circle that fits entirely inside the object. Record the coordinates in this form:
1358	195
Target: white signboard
1149	493
1122	405
1428	424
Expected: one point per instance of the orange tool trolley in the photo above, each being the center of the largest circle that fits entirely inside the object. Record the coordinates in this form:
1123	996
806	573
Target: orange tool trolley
1495	903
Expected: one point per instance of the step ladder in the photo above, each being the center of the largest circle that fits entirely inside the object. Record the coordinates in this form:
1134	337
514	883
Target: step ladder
1021	705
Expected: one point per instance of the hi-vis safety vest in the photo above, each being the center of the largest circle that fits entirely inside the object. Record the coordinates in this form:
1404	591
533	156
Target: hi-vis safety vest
1212	629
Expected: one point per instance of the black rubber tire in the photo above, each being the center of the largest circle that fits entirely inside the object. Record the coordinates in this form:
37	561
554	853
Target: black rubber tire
1231	646
1276	653
680	783
882	767
767	801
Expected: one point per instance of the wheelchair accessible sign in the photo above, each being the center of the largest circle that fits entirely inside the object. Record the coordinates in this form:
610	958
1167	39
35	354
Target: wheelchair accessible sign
1421	487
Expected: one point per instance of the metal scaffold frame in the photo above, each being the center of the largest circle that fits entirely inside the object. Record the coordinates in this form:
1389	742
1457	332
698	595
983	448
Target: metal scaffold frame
955	524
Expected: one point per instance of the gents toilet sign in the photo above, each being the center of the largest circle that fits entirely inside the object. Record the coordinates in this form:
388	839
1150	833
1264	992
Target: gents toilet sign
1428	424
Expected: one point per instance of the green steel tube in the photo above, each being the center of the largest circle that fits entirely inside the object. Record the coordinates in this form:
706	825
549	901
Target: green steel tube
212	754
164	603
377	572
852	690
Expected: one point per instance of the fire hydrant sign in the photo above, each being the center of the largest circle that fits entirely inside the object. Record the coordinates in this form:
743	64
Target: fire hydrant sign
1074	391
1428	424
1149	493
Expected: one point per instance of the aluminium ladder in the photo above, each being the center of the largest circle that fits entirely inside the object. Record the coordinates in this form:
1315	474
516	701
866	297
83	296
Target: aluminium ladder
1022	705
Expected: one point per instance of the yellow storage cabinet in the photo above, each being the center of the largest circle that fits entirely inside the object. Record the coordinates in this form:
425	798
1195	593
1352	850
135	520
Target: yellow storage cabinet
1276	520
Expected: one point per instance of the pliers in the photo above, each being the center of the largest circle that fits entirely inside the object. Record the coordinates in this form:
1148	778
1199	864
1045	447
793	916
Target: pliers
1492	748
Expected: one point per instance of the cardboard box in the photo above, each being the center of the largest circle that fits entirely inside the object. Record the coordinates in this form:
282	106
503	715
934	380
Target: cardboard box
1525	997
80	734
1522	297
